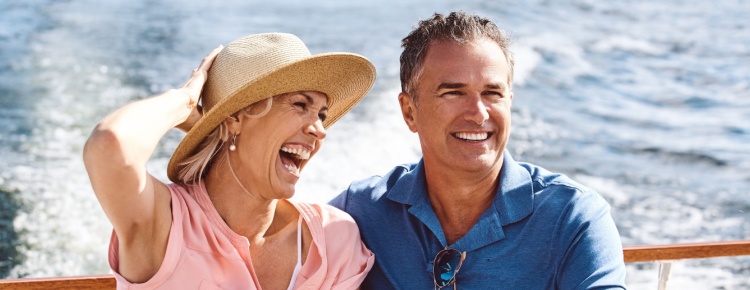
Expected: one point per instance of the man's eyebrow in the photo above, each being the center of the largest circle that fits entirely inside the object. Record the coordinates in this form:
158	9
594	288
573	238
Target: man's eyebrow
450	86
492	86
310	101
496	86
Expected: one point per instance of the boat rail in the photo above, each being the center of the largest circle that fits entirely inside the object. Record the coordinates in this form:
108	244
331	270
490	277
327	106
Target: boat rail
666	255
77	282
636	254
662	254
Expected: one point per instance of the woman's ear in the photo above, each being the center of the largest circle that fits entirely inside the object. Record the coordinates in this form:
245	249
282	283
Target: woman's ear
233	125
408	110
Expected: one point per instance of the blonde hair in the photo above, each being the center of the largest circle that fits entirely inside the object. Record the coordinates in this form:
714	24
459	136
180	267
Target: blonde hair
196	166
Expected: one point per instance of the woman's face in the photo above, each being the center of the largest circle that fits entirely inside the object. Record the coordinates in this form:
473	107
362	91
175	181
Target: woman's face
274	148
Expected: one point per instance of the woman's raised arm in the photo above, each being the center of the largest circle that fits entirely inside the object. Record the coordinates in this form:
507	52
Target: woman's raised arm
115	156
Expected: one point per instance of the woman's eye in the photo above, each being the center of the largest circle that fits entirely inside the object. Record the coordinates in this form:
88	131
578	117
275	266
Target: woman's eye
322	117
302	105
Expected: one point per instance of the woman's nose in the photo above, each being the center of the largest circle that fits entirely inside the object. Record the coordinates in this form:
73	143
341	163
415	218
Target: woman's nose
316	129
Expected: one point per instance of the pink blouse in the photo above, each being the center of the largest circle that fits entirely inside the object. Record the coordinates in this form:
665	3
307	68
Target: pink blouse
204	253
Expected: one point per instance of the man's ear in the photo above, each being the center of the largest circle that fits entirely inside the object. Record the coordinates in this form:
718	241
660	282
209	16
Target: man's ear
408	110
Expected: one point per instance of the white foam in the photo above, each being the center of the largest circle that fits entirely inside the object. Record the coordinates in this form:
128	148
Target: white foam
526	60
568	57
628	44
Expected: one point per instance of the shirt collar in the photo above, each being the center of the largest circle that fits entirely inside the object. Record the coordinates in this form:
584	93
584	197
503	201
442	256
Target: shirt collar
515	196
411	187
513	202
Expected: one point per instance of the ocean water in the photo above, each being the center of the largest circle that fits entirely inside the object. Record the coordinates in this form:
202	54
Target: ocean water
646	101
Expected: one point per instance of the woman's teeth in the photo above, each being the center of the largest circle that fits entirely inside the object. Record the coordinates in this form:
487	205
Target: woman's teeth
297	155
300	153
292	168
471	136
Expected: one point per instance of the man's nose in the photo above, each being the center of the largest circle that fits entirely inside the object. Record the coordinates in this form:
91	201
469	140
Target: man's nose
476	109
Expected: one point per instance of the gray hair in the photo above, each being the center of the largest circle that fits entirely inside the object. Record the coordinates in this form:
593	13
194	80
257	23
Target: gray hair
459	27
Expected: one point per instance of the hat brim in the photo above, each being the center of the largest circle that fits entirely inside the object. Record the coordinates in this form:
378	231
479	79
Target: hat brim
345	78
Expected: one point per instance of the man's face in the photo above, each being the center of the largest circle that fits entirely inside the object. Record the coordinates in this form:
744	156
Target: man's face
462	110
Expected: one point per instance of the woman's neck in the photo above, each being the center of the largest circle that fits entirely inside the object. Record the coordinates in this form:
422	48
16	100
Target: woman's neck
241	207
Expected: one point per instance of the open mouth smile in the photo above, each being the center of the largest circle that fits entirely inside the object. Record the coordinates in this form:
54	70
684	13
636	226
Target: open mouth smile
292	157
475	137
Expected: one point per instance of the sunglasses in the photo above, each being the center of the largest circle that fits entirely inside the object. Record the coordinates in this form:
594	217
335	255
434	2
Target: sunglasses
445	267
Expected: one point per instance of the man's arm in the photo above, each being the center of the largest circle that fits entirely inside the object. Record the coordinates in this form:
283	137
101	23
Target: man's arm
593	259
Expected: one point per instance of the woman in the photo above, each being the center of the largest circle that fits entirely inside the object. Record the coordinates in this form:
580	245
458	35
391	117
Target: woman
225	222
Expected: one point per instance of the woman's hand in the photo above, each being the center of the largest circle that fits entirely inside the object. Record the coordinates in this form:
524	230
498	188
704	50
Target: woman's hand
193	87
115	155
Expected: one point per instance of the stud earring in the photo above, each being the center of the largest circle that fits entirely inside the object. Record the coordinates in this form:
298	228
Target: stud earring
234	141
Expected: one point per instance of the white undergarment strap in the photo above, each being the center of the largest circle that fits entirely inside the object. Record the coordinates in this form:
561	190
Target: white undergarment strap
299	254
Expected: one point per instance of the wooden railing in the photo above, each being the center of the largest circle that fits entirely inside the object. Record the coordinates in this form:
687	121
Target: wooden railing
665	255
686	251
83	282
661	254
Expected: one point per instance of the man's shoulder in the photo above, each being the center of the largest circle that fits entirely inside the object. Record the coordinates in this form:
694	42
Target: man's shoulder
369	195
544	179
376	186
557	189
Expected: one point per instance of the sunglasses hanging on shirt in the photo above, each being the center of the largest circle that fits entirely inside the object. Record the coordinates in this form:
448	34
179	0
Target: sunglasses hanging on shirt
445	267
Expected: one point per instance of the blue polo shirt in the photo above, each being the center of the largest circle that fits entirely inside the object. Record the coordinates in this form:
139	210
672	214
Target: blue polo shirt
543	231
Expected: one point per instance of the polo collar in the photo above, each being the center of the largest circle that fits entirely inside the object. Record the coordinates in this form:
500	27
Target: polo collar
513	202
411	187
515	197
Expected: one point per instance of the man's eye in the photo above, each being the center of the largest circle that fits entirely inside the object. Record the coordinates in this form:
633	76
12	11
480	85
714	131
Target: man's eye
302	105
452	94
494	94
322	117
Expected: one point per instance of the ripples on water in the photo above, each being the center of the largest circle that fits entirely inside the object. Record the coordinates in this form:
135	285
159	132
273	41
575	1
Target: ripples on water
646	102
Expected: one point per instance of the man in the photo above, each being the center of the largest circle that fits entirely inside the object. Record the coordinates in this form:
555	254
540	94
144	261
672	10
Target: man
467	214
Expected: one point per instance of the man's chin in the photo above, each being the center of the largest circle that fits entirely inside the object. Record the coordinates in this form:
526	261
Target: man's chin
483	161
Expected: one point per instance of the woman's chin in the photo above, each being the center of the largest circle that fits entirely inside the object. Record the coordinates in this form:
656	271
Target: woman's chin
288	196
287	181
286	192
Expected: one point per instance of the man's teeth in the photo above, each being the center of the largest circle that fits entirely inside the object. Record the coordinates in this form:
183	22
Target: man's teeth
292	168
301	153
472	136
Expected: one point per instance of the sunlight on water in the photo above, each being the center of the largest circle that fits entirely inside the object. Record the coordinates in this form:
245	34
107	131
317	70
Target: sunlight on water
645	102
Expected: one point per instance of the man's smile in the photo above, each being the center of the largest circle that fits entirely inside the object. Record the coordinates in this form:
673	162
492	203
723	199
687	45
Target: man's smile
472	136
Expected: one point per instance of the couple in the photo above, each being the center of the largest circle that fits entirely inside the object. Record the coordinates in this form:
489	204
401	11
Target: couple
467	214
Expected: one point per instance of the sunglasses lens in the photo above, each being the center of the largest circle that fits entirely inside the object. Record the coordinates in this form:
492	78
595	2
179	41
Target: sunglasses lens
446	263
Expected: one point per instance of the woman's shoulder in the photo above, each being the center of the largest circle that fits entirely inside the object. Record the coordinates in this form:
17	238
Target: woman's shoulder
332	226
337	236
178	189
328	216
188	195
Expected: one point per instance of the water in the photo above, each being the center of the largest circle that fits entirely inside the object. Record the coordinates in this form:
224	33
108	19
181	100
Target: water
647	102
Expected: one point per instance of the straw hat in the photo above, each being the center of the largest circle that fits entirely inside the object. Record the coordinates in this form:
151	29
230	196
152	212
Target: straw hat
256	67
